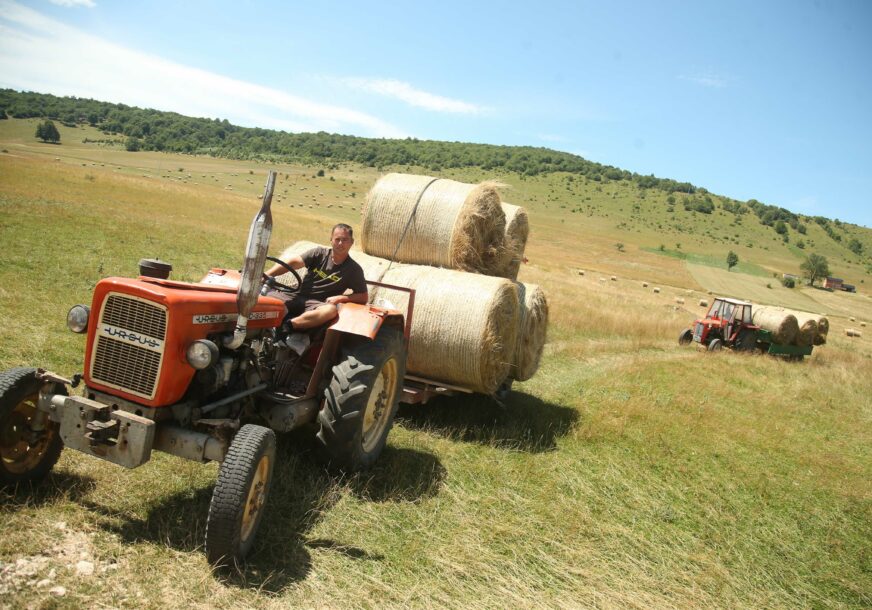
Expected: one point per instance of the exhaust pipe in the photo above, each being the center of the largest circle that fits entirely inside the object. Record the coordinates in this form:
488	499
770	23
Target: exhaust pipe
252	268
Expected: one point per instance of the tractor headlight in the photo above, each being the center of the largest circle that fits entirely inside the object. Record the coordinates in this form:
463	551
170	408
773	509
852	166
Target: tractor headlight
77	318
201	354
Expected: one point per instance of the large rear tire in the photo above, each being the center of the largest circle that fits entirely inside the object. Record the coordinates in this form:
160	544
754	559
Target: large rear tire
30	443
240	495
361	401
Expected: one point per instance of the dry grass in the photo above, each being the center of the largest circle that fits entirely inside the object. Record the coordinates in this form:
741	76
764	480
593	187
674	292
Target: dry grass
628	472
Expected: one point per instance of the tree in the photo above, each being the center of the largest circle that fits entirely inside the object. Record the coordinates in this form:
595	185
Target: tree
855	246
732	260
815	267
47	132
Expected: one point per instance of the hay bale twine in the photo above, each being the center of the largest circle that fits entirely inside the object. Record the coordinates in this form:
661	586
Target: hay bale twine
373	267
851	332
464	326
533	317
515	239
703	303
656	290
455	225
781	324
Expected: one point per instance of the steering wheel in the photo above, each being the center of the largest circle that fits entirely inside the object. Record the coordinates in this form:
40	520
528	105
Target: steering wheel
276	285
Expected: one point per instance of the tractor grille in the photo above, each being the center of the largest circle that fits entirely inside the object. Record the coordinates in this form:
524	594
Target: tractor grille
697	332
122	360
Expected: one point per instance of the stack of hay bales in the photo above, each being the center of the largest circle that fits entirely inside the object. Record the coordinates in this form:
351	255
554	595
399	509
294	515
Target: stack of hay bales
473	324
790	327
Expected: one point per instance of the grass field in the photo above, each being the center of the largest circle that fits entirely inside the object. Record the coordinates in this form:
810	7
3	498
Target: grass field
628	472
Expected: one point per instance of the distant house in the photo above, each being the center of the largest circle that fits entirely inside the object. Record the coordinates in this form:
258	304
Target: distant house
833	283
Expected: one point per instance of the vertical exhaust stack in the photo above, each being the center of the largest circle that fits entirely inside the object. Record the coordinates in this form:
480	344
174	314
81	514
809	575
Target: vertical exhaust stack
252	268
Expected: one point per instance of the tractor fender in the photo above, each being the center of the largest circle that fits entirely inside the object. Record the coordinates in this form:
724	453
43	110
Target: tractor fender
363	320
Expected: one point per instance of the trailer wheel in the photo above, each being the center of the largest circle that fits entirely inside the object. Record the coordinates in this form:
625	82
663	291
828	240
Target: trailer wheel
686	337
240	495
715	345
361	400
26	454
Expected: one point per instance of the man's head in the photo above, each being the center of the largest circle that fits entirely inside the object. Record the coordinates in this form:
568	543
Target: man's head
341	240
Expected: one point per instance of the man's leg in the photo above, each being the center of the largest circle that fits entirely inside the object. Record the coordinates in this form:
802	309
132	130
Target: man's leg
315	317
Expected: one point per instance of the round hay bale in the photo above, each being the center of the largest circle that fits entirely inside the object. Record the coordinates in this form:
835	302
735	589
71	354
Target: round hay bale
373	267
515	239
580	272
456	225
644	284
614	278
781	324
853	319
814	325
656	290
679	300
464	325
862	324
851	332
703	303
602	279
533	317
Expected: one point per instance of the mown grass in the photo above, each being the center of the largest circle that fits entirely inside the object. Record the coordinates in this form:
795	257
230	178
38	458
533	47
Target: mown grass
628	472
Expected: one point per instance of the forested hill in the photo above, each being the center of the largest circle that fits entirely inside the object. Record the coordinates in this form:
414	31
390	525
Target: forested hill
148	129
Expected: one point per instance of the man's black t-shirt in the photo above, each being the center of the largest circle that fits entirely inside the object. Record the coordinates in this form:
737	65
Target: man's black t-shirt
324	279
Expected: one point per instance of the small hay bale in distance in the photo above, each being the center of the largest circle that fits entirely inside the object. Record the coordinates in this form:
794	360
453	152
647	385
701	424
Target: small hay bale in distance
703	303
656	290
515	238
533	316
853	319
862	324
852	332
464	326
455	225
614	278
644	284
602	279
580	272
679	300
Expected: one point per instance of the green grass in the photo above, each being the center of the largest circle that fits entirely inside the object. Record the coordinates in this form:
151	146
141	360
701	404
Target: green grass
628	472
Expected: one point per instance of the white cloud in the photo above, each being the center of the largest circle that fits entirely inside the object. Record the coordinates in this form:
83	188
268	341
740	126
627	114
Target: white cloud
414	97
706	79
74	3
40	54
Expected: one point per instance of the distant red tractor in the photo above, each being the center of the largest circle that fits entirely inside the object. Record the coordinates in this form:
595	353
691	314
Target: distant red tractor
727	324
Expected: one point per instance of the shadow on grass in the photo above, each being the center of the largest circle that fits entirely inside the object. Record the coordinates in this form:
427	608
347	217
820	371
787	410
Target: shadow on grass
523	422
58	485
302	491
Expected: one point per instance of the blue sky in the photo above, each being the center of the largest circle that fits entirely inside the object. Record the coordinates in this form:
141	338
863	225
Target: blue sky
765	100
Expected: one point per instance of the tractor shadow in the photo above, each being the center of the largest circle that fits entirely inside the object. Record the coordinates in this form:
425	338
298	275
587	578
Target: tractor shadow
302	492
57	485
522	423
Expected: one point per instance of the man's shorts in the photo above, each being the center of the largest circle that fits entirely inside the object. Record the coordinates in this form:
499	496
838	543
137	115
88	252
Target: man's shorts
296	305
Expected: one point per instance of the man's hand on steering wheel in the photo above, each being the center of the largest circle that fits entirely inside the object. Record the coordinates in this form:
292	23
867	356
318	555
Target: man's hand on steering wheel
276	285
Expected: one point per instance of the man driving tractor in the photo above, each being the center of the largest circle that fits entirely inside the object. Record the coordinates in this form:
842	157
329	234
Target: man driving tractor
331	274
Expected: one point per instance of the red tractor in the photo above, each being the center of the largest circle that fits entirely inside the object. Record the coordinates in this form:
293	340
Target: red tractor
727	324
204	371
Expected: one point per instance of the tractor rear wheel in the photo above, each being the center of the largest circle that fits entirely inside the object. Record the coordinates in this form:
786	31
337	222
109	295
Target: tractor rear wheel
715	345
240	495
361	400
30	443
686	337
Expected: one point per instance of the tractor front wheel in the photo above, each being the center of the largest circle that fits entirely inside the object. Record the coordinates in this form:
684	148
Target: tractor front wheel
240	495
361	400
686	337
715	345
30	443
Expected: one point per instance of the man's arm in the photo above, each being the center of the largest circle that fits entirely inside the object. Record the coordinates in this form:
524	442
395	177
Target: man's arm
294	261
358	297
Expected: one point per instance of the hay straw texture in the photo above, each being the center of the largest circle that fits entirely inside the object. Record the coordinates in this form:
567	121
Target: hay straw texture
781	324
464	326
373	268
515	238
822	325
456	225
533	317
